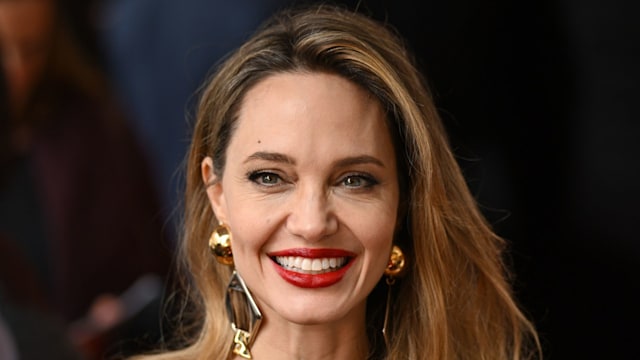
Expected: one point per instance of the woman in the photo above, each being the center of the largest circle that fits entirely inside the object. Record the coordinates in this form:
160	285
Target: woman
320	165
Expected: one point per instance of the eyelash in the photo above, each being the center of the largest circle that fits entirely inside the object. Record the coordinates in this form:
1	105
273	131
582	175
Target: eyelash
255	177
368	180
259	176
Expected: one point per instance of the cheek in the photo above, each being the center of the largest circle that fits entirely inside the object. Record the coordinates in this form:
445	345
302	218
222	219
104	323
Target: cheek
376	238
250	228
382	249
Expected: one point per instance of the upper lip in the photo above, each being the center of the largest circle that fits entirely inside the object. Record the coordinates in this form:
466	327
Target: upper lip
313	253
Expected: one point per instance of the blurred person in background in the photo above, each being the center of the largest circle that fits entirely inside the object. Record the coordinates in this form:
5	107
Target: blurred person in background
27	329
77	203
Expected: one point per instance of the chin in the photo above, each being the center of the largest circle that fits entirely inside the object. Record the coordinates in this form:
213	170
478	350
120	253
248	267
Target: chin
316	309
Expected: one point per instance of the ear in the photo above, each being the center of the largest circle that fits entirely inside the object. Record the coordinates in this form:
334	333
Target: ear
214	189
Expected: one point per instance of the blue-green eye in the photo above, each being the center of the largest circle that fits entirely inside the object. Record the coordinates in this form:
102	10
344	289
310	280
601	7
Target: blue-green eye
358	181
352	181
265	178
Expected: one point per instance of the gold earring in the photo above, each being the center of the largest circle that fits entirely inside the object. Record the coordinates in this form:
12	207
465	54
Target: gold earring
395	267
246	331
396	264
220	244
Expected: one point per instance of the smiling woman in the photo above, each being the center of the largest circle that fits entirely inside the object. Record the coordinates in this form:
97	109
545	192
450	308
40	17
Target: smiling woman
320	165
328	193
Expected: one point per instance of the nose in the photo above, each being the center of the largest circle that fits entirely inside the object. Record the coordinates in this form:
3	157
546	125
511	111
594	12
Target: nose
311	216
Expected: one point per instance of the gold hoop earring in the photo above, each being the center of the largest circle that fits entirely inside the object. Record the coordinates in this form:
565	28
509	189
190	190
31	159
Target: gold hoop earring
220	244
395	268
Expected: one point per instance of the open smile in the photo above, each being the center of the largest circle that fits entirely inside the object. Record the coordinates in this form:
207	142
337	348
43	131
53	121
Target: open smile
304	265
312	268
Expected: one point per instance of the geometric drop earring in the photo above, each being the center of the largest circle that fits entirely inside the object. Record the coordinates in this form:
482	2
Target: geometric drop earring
244	334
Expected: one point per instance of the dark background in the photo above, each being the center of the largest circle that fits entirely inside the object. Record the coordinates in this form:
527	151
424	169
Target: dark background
540	100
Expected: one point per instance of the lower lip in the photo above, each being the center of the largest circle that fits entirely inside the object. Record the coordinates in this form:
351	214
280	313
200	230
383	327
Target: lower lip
312	281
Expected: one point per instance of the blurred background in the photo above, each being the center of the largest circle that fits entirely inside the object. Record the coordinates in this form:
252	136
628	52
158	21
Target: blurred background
540	100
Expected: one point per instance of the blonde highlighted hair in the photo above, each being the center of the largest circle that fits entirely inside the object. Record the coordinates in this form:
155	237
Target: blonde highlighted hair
455	301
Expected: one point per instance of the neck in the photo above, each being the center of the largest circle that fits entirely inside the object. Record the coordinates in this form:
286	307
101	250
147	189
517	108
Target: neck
343	339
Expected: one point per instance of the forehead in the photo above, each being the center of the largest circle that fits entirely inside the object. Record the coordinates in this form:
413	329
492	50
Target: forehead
298	96
318	117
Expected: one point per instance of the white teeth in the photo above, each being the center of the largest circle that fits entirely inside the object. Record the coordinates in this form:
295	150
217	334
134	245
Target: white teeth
316	265
308	265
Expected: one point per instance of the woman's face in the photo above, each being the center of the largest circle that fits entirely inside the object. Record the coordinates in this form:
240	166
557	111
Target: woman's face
25	40
310	194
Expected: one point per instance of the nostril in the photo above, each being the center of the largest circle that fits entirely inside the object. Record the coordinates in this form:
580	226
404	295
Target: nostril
311	229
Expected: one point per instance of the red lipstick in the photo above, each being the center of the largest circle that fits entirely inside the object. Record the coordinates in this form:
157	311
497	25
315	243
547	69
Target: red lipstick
307	280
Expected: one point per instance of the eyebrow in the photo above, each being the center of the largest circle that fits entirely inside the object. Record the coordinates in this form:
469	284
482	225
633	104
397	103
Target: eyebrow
282	158
270	156
362	159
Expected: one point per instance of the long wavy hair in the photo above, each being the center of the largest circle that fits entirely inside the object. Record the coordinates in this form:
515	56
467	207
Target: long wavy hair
455	301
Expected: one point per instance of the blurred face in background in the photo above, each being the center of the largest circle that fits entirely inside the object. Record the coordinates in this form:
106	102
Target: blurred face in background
26	32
